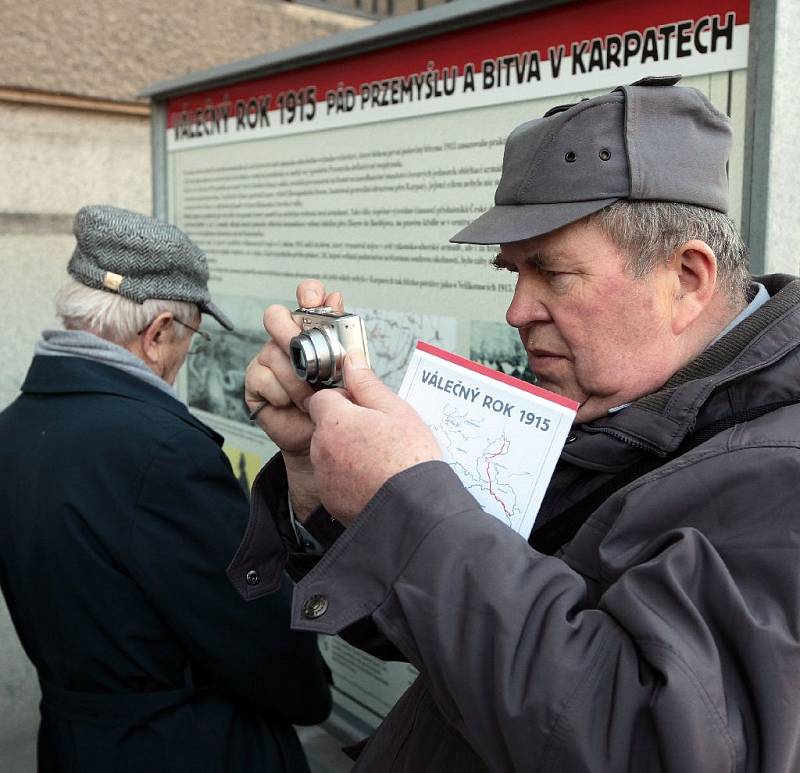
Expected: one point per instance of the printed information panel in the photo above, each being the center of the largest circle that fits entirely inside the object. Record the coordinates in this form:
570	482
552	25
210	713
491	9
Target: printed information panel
359	170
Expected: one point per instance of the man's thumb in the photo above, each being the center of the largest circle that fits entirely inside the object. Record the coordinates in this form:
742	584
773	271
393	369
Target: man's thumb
365	388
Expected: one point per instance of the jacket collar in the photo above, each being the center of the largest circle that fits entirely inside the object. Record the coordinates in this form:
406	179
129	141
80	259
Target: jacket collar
72	375
659	422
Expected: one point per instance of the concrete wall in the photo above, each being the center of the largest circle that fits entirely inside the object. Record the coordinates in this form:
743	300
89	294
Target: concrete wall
770	222
782	249
19	702
58	160
61	160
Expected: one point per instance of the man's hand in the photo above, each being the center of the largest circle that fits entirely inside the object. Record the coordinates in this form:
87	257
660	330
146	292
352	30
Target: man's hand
361	442
272	386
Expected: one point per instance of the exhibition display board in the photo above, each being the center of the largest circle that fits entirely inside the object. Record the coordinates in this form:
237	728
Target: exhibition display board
359	168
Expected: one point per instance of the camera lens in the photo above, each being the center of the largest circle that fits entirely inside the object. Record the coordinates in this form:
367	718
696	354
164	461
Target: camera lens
304	362
312	357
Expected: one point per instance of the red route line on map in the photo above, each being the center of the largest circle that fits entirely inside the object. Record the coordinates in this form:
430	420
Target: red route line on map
489	477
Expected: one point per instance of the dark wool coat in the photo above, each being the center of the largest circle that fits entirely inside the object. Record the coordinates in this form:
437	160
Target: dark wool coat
118	515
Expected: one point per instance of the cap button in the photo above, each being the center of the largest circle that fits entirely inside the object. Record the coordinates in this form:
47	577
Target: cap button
315	606
252	578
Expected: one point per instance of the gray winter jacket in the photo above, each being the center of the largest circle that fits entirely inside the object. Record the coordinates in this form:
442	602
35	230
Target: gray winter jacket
664	637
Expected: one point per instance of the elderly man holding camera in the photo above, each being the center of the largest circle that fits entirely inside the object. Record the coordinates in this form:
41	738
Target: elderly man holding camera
651	620
120	512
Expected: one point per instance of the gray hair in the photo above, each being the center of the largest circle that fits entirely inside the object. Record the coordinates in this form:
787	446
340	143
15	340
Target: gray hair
650	232
114	317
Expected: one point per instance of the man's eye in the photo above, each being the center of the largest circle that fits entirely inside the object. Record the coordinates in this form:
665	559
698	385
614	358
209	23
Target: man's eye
556	278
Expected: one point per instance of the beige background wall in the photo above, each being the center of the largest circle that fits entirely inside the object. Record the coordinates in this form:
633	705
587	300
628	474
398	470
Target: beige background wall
62	159
783	221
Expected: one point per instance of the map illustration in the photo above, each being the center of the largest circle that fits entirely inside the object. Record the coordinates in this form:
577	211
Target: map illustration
487	464
393	335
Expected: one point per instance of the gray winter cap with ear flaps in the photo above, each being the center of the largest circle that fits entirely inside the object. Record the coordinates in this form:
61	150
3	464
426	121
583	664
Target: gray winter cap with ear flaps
650	141
140	258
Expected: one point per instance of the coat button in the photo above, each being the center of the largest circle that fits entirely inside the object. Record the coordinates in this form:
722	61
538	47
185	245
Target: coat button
315	606
252	578
571	438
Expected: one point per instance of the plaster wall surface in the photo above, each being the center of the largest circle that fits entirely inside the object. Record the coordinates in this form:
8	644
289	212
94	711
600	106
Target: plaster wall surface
783	224
62	159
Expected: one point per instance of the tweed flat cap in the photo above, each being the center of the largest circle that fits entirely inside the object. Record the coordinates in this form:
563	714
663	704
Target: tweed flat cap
140	258
650	141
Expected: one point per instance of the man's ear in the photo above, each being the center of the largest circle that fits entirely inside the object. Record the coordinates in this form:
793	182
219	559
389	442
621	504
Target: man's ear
153	336
695	267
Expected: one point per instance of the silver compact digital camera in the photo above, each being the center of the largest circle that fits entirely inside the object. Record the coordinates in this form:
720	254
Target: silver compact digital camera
318	352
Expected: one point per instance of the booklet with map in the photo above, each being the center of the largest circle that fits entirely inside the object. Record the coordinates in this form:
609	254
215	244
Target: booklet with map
502	436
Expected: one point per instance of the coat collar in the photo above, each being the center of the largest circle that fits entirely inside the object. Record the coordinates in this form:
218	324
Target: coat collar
72	375
659	422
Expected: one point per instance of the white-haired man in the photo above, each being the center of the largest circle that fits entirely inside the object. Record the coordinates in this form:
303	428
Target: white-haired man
651	621
118	514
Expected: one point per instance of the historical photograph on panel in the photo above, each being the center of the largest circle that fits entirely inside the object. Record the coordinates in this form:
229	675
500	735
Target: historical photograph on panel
497	346
393	335
215	369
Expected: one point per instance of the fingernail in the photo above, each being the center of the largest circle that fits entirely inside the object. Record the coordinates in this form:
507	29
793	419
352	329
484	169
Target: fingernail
305	404
357	358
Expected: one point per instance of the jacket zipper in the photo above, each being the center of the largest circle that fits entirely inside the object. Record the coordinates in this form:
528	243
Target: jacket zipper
627	440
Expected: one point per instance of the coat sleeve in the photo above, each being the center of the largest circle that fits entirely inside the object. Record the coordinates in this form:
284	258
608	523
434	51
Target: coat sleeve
680	653
191	516
270	546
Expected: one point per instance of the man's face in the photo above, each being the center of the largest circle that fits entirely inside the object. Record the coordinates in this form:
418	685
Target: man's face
593	332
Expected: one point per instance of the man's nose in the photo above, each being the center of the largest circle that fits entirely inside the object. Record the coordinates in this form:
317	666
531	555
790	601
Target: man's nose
527	305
